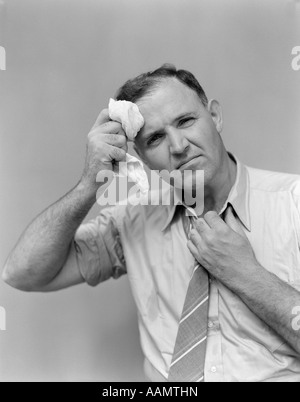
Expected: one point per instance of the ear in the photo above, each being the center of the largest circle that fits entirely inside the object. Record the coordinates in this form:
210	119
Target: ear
215	110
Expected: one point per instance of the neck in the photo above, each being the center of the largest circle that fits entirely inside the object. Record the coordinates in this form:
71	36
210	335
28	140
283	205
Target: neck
217	192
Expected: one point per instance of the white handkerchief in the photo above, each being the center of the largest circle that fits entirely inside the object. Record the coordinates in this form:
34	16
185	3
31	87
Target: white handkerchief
128	114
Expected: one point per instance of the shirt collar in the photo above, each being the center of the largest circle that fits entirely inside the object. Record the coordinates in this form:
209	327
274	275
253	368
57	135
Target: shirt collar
238	198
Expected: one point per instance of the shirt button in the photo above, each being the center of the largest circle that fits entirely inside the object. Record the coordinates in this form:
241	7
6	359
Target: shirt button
210	324
214	369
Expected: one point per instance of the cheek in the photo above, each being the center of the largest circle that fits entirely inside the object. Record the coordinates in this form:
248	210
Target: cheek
205	136
156	158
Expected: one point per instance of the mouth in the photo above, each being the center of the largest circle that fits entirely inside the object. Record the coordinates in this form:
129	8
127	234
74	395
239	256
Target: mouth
189	163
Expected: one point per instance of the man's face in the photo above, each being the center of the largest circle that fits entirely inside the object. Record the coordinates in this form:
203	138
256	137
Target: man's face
179	131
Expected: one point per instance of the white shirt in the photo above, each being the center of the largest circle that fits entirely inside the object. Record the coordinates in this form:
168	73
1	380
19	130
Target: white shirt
149	244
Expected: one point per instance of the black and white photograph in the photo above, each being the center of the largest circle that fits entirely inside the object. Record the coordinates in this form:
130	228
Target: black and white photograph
150	193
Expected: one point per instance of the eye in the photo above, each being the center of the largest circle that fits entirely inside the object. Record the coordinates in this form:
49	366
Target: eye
154	139
188	121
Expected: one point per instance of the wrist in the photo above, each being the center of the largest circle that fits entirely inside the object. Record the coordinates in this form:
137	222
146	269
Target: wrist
245	277
86	192
88	188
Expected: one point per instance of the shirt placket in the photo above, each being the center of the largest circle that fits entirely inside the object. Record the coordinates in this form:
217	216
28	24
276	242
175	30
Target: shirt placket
213	370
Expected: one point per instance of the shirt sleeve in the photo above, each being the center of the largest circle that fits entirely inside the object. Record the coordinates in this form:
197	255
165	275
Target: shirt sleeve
98	248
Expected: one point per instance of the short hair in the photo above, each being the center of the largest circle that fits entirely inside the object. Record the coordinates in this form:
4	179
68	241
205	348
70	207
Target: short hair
136	88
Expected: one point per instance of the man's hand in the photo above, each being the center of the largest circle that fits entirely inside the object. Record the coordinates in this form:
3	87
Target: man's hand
228	256
106	144
225	254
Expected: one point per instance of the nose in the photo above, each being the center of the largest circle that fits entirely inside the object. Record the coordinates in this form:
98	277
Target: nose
177	142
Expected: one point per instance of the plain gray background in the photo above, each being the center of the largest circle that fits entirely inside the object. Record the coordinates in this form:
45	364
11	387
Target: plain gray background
65	58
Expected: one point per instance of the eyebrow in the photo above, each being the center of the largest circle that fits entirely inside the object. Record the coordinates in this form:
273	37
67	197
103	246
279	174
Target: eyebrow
145	137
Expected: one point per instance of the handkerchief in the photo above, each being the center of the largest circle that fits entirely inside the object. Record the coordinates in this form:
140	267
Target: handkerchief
128	114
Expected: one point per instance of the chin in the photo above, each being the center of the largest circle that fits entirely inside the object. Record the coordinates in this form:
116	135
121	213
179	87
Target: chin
193	188
193	179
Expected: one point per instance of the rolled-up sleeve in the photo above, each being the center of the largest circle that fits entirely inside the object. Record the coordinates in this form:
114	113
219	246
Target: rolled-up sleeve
98	248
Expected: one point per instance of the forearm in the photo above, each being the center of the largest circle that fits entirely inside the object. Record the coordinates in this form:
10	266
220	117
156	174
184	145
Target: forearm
43	247
228	256
271	299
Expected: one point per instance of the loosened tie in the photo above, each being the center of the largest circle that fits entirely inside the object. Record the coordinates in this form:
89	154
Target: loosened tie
188	359
190	346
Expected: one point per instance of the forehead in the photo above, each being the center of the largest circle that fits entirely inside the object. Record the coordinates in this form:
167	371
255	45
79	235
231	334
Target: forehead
166	102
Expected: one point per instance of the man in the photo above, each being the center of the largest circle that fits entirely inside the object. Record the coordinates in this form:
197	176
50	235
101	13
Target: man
244	248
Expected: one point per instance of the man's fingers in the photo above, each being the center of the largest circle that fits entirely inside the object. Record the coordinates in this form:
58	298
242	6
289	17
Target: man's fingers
102	118
196	252
201	225
110	133
196	238
116	140
110	127
117	154
214	220
192	248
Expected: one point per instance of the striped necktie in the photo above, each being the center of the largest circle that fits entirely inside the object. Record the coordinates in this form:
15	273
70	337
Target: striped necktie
190	346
